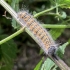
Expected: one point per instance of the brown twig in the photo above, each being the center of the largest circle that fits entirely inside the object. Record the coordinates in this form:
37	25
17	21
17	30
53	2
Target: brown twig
61	64
6	15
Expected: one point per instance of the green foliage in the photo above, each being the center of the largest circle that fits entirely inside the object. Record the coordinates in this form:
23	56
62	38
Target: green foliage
50	12
65	2
61	49
38	65
48	63
8	52
56	33
15	6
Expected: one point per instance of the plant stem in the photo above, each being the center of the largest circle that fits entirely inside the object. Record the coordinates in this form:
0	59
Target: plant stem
11	11
12	36
56	7
45	11
14	14
55	26
53	14
60	63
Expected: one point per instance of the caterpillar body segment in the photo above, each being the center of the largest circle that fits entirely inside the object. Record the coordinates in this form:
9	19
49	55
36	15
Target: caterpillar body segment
43	38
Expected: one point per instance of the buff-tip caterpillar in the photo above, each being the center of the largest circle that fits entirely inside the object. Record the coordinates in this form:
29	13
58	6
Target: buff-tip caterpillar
44	39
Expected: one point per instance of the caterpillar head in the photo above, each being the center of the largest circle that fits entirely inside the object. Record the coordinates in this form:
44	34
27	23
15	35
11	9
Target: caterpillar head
52	50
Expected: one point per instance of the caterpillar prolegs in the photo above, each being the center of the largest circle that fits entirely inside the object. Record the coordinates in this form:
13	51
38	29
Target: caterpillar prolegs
43	38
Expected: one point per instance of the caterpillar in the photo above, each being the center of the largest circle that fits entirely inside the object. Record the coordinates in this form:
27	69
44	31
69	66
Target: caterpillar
42	36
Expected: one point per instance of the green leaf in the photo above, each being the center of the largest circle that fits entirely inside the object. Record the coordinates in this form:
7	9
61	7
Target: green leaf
48	64
61	49
38	65
15	6
69	41
64	15
64	46
7	66
65	2
9	51
56	33
14	24
41	51
54	68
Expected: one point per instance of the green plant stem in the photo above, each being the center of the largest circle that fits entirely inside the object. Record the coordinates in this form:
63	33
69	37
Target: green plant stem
21	30
45	11
54	14
55	26
12	36
11	11
56	7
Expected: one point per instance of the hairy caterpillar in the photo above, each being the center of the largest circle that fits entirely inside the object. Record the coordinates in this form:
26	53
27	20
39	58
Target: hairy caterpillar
44	39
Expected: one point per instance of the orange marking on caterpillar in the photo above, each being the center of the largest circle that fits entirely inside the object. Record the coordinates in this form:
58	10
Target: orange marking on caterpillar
30	21
26	18
32	26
